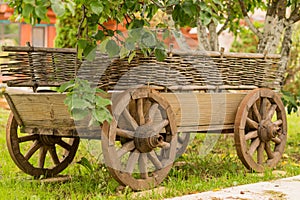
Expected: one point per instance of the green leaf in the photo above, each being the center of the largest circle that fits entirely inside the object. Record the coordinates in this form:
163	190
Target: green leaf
112	48
100	35
160	54
66	86
131	56
101	115
41	11
136	23
58	7
71	6
148	39
205	18
102	46
79	114
80	104
172	2
124	52
27	11
102	102
82	44
90	52
130	44
166	34
96	7
32	2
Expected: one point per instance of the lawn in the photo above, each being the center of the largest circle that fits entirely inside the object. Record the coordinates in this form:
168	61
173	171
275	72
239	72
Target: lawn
195	171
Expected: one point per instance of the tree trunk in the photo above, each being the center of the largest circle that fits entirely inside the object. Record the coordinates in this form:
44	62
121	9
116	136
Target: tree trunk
203	43
213	39
273	30
286	49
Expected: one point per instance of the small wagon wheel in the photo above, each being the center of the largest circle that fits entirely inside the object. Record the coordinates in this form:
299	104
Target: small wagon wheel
139	145
39	155
260	129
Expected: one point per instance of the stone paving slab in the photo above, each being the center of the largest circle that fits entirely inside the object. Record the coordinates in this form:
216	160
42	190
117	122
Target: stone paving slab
287	188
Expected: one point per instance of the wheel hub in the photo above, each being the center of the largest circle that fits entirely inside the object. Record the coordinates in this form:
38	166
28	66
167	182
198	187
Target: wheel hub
267	130
49	140
145	139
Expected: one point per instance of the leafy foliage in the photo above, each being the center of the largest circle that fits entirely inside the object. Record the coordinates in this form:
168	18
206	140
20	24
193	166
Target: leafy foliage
133	14
66	29
246	41
85	102
291	101
291	93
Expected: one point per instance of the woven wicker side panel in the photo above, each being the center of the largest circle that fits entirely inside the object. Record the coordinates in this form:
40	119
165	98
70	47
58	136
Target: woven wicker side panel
39	68
55	68
182	70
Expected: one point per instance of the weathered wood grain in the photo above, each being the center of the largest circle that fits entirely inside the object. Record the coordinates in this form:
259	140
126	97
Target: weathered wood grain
193	111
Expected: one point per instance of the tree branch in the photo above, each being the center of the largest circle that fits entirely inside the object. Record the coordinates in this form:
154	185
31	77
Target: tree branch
272	5
79	31
157	4
224	26
248	21
295	15
227	19
281	9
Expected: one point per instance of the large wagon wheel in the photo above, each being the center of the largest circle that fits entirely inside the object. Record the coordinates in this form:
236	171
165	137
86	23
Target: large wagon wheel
139	145
39	155
260	129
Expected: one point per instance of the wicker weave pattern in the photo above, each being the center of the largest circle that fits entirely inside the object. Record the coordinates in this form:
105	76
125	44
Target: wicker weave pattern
179	69
39	68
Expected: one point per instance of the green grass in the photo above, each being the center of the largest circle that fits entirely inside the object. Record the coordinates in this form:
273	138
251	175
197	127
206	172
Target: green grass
218	169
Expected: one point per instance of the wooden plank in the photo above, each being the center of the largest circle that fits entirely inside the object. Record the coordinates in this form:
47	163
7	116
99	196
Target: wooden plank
212	87
198	109
45	110
218	128
193	111
227	54
40	49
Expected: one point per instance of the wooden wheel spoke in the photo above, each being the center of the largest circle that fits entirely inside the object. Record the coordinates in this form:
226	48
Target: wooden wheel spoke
269	151
64	145
143	165
154	159
35	146
276	140
271	111
251	135
140	111
253	146
260	153
256	112
28	138
130	119
127	147
158	127
278	122
152	112
54	155
251	123
125	133
42	156
132	161
263	108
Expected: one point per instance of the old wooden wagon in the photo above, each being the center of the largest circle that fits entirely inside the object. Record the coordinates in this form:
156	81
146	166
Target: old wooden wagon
155	106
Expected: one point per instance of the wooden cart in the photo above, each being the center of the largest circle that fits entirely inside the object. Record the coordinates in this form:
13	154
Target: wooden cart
155	106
